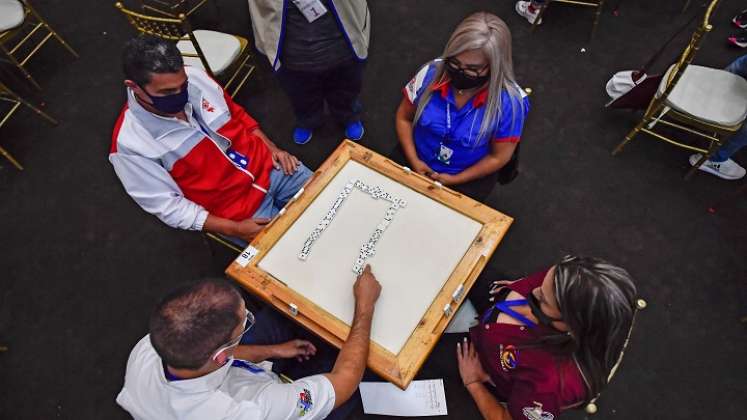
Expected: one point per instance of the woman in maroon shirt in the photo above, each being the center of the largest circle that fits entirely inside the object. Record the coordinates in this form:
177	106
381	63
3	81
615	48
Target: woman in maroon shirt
549	341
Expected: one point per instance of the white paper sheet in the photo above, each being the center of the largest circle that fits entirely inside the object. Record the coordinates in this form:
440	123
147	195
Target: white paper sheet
421	398
463	320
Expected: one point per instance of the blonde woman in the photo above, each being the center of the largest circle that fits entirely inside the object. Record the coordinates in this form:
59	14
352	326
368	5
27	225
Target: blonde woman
462	115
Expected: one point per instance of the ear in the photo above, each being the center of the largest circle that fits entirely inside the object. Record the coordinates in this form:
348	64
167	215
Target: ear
221	358
138	91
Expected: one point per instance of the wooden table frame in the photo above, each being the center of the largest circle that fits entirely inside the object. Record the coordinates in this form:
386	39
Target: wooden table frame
399	369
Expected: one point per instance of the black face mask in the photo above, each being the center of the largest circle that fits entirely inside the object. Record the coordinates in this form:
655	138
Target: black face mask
170	104
543	318
461	81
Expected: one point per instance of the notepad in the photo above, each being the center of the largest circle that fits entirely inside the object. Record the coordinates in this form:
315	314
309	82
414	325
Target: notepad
421	398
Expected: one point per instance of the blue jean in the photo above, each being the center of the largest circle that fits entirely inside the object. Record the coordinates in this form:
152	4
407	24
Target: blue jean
738	140
272	328
282	188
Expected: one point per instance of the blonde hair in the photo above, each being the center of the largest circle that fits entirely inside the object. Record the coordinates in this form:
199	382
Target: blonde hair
489	34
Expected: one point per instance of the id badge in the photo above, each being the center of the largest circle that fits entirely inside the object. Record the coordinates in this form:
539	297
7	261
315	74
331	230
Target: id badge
311	9
444	154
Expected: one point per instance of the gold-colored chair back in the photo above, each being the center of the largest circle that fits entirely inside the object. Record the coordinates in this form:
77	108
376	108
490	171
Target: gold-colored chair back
597	4
22	42
172	8
179	29
172	29
688	54
13	101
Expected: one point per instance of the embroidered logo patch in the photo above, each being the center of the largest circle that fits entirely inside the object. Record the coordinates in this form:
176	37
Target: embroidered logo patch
207	106
536	413
509	357
304	403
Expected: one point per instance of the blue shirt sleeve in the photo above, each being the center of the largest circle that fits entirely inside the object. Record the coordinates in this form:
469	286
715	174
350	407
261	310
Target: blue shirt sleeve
513	115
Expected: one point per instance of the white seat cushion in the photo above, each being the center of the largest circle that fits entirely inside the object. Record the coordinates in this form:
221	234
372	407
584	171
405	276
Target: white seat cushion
11	14
711	95
220	49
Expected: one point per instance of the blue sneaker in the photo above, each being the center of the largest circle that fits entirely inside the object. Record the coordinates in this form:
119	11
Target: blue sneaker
302	135
354	131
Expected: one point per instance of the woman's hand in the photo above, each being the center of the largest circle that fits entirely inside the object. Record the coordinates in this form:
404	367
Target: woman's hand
470	368
421	167
444	179
300	349
498	285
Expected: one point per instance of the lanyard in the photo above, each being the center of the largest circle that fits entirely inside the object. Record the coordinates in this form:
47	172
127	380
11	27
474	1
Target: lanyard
505	307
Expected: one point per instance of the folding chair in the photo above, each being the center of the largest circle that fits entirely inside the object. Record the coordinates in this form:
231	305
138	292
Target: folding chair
222	56
640	304
597	4
172	8
19	20
707	102
8	96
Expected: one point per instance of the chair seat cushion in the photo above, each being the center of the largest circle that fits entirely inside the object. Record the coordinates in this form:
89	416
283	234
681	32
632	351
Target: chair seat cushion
11	14
711	95
220	50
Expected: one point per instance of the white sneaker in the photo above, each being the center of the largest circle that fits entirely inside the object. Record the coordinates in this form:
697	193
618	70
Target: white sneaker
727	169
522	8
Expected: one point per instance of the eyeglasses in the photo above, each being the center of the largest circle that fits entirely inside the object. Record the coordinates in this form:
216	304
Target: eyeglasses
248	324
455	65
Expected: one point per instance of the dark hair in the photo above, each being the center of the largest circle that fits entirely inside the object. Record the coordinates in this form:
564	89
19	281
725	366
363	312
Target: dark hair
597	301
191	322
147	54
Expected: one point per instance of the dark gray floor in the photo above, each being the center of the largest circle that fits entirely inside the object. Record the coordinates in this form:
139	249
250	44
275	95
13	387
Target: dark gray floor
82	265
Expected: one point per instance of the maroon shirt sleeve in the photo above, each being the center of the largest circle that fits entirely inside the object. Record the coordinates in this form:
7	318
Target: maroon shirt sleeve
526	403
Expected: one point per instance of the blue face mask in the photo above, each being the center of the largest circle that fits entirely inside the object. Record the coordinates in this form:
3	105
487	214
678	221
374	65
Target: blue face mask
170	104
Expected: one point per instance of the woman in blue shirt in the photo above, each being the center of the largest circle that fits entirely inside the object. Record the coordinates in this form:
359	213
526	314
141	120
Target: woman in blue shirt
462	115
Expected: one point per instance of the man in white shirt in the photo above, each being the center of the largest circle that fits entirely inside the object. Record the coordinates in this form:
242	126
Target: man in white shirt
192	366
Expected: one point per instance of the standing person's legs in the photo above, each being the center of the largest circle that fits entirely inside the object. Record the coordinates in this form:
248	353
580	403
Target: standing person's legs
306	94
342	88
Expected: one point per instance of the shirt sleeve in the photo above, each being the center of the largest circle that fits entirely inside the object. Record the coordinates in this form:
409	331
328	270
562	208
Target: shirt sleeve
415	86
151	186
513	115
525	403
308	398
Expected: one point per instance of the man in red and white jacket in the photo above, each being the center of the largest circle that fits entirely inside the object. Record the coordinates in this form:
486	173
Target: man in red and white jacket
188	154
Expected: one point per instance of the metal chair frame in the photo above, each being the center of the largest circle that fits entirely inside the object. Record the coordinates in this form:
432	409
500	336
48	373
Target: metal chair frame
179	29
657	109
599	4
171	8
7	95
32	23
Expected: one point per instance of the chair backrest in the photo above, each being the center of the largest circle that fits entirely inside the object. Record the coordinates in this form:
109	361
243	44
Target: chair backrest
172	29
691	49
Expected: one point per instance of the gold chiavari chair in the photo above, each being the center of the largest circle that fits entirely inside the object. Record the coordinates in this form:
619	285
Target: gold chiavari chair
172	8
223	56
22	33
596	4
7	96
709	103
640	304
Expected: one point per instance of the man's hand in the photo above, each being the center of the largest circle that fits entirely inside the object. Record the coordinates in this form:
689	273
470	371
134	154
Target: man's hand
284	160
249	228
444	179
421	167
300	349
366	289
470	368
